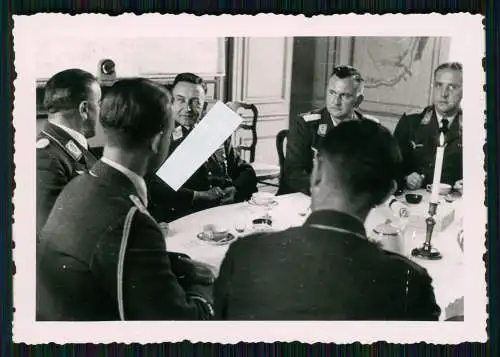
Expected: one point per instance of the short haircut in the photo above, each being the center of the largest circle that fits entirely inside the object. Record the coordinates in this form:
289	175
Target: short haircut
366	158
190	78
456	66
346	71
67	89
135	110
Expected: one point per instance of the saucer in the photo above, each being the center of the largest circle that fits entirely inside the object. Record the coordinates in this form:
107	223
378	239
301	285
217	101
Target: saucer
218	239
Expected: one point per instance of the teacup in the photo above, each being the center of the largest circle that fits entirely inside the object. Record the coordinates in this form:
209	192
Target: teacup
211	231
444	188
262	198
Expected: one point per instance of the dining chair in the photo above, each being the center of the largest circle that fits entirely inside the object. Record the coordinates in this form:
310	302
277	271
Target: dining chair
266	173
245	150
281	139
281	147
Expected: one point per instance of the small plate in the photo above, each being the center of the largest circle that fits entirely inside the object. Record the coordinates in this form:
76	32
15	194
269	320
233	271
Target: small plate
218	240
271	203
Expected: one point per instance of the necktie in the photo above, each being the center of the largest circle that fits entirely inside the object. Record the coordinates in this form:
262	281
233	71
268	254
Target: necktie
444	125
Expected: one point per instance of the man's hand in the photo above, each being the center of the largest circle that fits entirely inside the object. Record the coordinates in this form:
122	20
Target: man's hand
214	194
164	228
459	185
229	194
414	181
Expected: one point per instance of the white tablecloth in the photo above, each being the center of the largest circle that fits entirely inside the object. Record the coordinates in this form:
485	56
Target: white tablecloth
291	211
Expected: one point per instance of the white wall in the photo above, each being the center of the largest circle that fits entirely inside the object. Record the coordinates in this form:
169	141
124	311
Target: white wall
133	56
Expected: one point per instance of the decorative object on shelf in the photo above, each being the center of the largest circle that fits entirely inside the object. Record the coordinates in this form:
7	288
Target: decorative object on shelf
106	70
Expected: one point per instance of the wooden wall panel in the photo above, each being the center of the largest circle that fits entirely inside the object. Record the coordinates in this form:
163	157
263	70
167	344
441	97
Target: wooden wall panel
261	74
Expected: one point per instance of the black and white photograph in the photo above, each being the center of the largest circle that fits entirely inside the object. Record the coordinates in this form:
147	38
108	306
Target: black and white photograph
249	178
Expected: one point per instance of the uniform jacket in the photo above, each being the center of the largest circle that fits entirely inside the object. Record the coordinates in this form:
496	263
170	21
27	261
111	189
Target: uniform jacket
418	138
310	273
77	258
224	168
305	135
59	158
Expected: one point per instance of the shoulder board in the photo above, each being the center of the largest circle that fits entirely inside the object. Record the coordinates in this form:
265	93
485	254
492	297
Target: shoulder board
419	111
138	203
42	143
426	118
371	117
73	150
311	117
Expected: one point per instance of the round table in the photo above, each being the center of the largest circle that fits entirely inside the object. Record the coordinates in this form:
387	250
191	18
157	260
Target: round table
292	210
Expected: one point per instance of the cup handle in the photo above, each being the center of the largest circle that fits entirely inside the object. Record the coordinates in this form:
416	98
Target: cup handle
429	187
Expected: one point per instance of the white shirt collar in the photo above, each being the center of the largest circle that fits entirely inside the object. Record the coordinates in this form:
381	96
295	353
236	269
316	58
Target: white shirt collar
138	181
79	138
440	117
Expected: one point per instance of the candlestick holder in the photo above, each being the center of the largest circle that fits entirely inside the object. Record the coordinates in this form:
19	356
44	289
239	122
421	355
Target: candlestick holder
427	251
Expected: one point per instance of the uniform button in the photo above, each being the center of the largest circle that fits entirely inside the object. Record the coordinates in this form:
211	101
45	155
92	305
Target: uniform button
209	172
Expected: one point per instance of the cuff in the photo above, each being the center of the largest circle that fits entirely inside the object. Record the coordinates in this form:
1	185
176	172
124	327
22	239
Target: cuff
205	302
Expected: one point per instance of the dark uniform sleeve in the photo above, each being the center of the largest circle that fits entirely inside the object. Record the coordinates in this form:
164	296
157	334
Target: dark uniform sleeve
164	201
51	178
151	290
402	135
222	287
298	161
242	174
421	302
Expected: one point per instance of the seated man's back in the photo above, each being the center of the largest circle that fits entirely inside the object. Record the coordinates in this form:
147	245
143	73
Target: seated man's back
307	273
328	269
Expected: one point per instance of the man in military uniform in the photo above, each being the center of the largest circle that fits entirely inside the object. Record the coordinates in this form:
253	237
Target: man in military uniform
101	255
72	100
223	179
328	269
344	93
418	134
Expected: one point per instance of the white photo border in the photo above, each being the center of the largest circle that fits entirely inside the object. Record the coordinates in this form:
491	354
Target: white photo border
466	29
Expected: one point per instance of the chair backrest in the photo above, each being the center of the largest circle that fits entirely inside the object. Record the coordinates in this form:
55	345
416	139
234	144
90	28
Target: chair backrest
247	151
281	148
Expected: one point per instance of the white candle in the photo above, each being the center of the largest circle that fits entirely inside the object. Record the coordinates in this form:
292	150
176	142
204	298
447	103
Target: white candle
438	167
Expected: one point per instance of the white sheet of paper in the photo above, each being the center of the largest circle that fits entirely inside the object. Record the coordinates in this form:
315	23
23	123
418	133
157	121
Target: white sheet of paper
210	133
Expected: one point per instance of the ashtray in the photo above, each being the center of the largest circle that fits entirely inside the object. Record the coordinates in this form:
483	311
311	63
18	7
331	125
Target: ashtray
215	238
263	221
413	198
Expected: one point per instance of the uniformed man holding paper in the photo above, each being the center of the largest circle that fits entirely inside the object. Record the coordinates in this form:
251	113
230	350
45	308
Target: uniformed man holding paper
72	101
344	93
223	179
